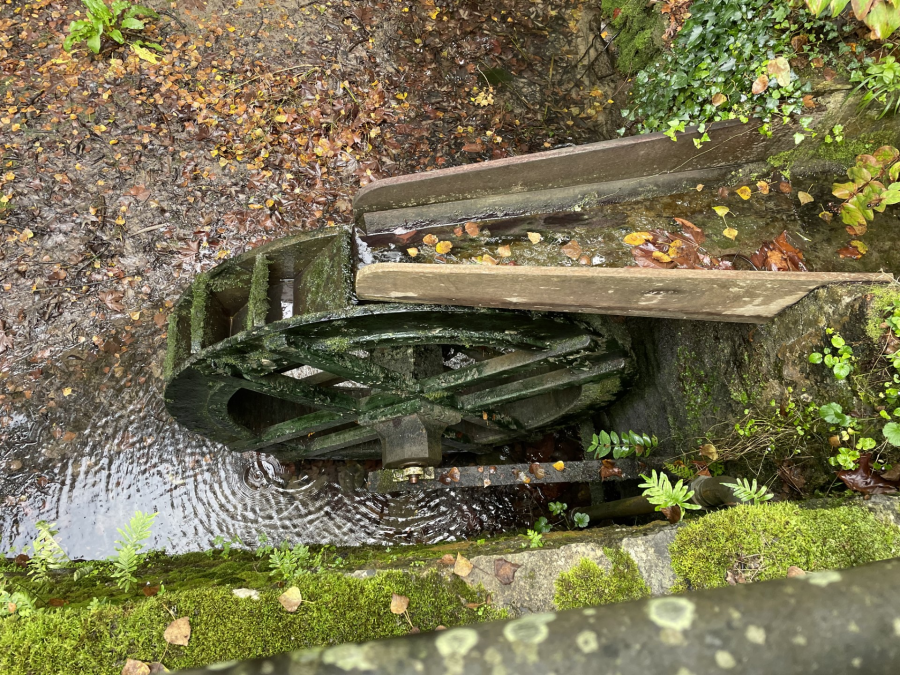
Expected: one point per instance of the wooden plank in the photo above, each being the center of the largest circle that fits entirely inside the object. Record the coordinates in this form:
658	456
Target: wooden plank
614	160
711	295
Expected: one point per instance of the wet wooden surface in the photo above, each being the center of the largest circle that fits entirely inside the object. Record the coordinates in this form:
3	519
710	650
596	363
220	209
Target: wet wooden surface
712	295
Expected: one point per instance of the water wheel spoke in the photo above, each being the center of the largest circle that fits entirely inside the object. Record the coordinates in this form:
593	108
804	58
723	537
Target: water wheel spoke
295	428
290	389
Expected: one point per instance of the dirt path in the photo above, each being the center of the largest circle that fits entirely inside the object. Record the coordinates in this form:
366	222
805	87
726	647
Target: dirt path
121	179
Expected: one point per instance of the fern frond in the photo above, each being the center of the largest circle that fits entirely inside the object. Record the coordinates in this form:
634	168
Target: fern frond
749	492
659	491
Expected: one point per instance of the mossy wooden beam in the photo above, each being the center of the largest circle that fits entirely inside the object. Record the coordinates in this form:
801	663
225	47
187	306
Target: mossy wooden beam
832	622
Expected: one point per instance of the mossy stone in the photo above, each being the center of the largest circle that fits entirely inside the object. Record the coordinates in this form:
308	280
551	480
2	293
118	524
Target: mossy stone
588	584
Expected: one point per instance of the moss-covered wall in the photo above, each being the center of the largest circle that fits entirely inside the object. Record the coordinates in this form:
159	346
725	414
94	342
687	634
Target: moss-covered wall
587	584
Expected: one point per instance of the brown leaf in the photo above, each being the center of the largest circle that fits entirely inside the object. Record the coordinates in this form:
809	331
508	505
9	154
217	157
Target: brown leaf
794	571
609	469
572	250
21	560
763	187
536	470
133	667
473	146
159	319
785	187
862	479
112	299
291	599
829	74
718	99
472	229
734	577
672	513
178	632
57	602
462	567
808	101
505	571
850	252
453	474
447	559
430	240
760	84
893	475
723	192
817	62
150	591
399	603
69	436
140	192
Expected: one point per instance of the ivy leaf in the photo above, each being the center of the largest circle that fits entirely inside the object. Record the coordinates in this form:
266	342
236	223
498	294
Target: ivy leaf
891	433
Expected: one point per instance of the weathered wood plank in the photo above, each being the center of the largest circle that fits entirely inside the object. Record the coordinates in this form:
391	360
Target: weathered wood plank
711	295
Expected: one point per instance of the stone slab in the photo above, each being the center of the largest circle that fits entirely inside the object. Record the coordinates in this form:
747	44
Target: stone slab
711	295
651	555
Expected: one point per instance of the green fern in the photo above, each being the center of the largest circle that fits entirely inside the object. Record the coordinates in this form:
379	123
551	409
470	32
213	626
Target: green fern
680	470
659	491
129	549
749	493
46	555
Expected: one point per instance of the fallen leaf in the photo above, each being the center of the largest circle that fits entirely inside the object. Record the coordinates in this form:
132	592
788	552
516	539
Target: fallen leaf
429	239
723	192
413	252
472	229
69	436
785	187
744	192
559	466
817	62
57	602
447	559
454	475
133	667
487	260
291	599
159	319
534	237
730	232
504	251
850	252
638	238
414	630
399	603
245	593
505	571
473	146
722	211
808	101
537	470
893	474
462	567
672	513
22	559
734	577
608	469
140	192
112	299
862	479
826	216
150	591
857	230
760	84
709	451
794	571
572	250
178	632
718	100
699	187
443	247
805	198
661	257
781	69
763	187
829	74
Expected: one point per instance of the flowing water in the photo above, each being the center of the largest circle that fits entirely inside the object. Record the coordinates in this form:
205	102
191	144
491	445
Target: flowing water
109	448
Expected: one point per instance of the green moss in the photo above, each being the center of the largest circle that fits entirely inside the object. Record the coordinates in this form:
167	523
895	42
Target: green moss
588	584
639	28
258	302
884	298
765	540
844	153
336	609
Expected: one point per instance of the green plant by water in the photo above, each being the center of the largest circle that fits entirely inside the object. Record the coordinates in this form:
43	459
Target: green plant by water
621	445
874	185
117	21
748	492
880	83
658	490
287	564
882	16
130	552
46	554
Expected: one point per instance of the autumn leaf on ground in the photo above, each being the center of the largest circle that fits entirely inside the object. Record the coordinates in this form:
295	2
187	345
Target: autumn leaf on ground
429	240
447	559
505	571
608	469
722	211
150	591
572	250
487	260
672	513
794	571
504	251
472	229
412	252
145	54
178	632
443	247
763	187
709	451
462	567
781	69
850	252
826	216
785	187
559	466
133	667
760	84
661	257
744	192
863	479
730	232
700	187
291	599
399	603
140	192
534	237
638	238
778	255
860	246
805	198
112	299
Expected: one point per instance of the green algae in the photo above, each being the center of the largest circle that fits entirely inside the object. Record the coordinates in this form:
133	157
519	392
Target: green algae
588	584
765	540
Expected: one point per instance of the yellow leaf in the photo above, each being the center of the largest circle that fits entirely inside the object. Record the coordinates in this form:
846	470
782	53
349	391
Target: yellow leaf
730	232
559	466
744	192
487	260
443	247
674	248
661	257
413	252
722	210
135	316
860	246
429	240
709	451
700	187
534	237
67	391
281	119
504	251
637	238
805	197
145	54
